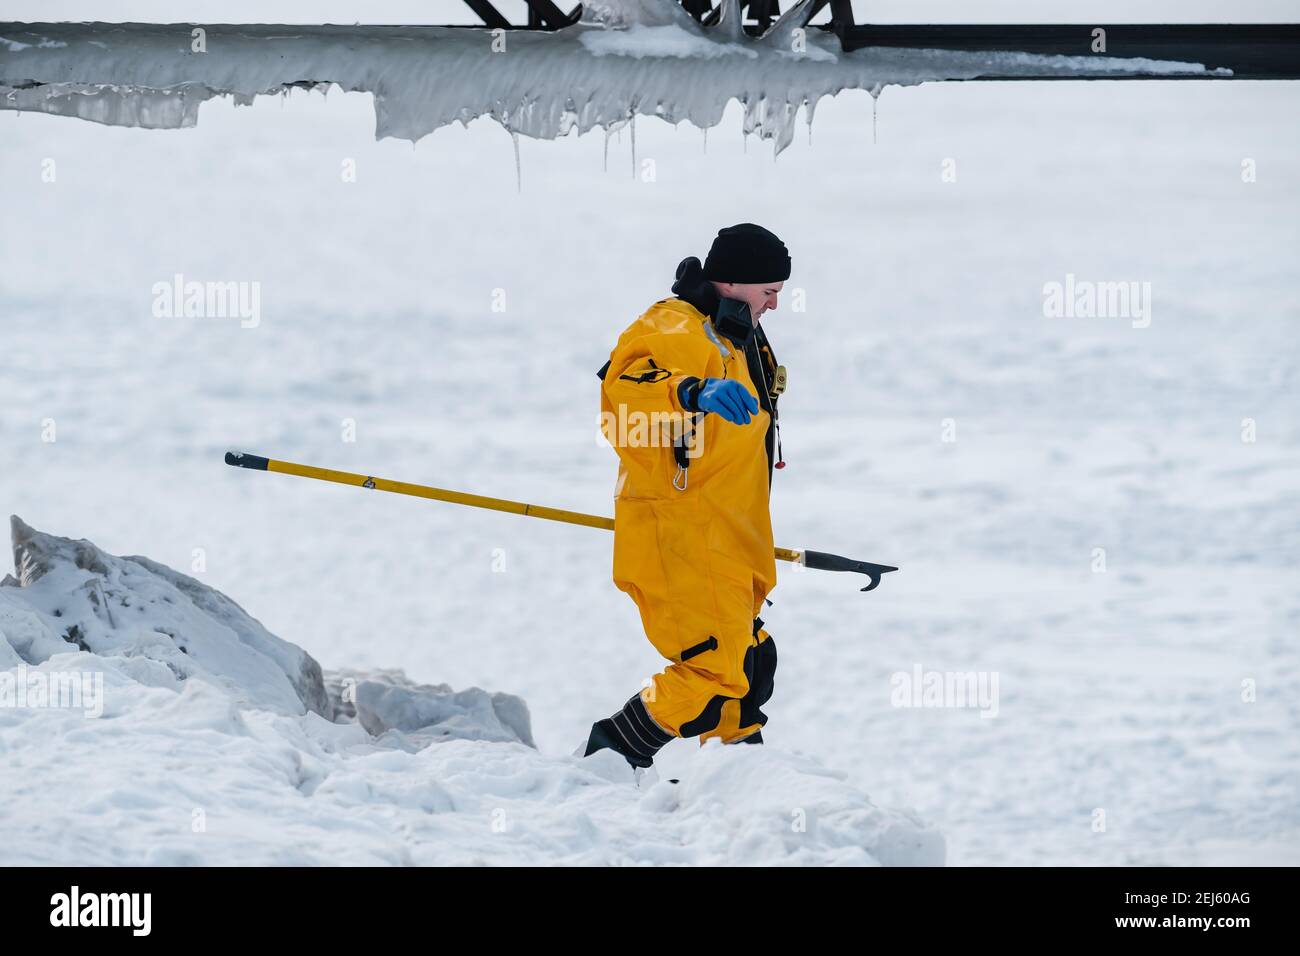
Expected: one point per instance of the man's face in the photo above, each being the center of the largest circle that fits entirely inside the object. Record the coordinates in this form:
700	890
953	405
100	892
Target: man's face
759	296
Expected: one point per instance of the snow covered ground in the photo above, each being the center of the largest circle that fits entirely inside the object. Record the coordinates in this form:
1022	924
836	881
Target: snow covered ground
175	730
1119	691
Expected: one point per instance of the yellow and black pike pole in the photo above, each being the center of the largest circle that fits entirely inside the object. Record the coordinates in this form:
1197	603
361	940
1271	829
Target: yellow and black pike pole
811	559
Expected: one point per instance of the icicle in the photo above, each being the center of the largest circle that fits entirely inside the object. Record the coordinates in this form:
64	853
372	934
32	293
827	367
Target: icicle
519	170
875	102
606	148
634	145
706	140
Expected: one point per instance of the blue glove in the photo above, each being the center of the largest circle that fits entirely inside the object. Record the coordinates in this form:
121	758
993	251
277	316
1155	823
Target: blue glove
728	398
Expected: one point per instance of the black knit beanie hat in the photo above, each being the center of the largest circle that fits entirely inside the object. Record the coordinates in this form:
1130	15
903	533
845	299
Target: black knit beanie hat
747	253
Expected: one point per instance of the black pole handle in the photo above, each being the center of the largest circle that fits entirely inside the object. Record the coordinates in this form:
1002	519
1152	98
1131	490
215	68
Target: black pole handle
241	460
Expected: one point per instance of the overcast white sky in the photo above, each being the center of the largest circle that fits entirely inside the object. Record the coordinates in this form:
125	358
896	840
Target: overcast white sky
455	11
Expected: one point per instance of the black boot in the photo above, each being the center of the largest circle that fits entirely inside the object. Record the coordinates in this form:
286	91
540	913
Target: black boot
631	732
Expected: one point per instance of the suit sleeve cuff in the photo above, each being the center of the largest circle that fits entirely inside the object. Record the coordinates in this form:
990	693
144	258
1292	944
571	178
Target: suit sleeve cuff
687	393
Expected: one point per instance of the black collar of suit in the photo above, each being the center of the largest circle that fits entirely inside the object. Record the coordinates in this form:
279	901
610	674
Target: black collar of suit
692	287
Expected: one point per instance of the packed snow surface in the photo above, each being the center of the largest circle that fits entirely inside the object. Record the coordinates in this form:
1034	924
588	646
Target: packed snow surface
146	719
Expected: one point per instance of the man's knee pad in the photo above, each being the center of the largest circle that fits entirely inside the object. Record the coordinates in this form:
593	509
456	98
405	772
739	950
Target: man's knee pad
760	666
731	717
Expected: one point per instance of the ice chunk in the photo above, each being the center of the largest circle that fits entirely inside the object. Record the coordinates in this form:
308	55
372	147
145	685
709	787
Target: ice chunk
387	700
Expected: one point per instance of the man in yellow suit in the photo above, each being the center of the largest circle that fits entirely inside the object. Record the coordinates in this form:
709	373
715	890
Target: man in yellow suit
688	401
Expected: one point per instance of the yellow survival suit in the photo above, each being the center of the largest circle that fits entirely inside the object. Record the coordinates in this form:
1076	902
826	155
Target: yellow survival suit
692	532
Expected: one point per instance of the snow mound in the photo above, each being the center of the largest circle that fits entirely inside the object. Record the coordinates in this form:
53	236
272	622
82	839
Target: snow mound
199	738
747	805
164	629
626	58
69	595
